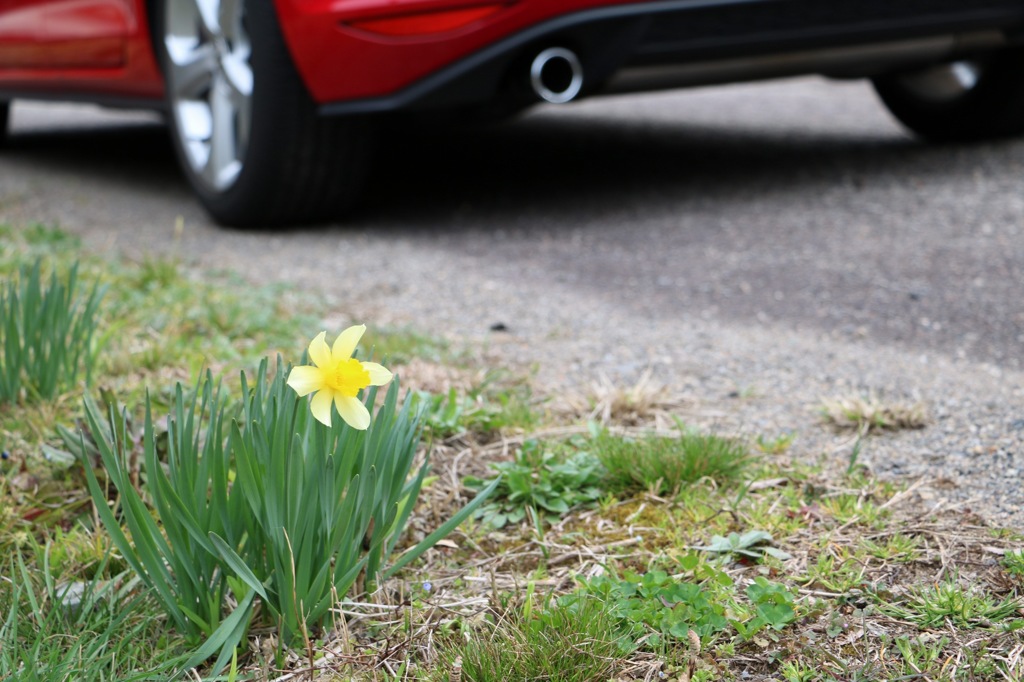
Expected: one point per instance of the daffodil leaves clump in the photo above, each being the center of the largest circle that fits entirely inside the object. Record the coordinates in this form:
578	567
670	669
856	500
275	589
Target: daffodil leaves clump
279	502
46	333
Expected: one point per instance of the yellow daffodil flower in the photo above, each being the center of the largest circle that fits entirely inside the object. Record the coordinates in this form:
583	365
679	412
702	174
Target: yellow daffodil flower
337	378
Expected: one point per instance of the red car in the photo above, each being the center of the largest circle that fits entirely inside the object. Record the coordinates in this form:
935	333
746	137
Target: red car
271	103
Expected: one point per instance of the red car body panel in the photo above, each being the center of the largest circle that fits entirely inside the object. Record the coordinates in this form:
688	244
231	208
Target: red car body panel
96	47
340	61
343	49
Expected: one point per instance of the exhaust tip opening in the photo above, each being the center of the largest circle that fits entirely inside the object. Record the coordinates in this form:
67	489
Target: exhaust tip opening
556	75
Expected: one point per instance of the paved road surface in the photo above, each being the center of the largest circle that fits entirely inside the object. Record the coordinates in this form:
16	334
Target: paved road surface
780	242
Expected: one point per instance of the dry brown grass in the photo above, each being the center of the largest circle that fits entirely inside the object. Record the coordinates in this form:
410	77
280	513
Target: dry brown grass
866	412
646	402
845	631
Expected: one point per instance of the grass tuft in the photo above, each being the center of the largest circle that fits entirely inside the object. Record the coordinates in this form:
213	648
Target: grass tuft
664	464
645	402
864	413
561	644
950	603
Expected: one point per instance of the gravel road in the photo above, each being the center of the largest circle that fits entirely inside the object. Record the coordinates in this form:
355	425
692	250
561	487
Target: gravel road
756	247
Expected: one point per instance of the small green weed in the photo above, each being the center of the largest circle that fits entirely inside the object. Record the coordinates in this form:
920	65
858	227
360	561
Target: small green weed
443	413
501	404
754	544
154	274
935	606
550	481
896	547
1006	534
848	508
1013	562
485	409
774	604
655	607
919	653
837	570
777	445
664	464
795	671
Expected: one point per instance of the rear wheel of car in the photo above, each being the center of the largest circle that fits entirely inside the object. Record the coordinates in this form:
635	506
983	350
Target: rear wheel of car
970	99
5	112
245	128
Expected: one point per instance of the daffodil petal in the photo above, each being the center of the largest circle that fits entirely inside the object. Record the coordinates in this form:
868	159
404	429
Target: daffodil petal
320	405
320	353
306	379
345	344
379	375
353	412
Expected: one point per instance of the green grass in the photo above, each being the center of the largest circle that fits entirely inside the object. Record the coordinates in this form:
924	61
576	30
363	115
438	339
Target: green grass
664	464
577	643
895	547
951	602
1013	562
160	323
837	569
177	320
162	318
112	632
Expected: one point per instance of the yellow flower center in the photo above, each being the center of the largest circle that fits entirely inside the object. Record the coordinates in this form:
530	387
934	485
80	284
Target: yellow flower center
348	377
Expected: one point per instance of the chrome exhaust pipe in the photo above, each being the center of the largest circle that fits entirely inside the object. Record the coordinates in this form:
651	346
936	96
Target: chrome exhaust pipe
556	75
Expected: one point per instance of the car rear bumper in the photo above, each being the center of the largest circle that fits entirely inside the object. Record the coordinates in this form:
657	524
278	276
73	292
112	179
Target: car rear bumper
622	46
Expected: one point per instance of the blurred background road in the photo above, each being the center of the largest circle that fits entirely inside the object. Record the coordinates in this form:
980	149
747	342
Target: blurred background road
757	247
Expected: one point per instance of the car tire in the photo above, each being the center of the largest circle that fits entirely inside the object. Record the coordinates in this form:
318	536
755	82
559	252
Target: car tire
5	114
245	128
972	99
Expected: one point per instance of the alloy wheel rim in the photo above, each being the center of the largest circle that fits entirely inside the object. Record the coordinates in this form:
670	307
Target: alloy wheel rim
944	82
210	85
